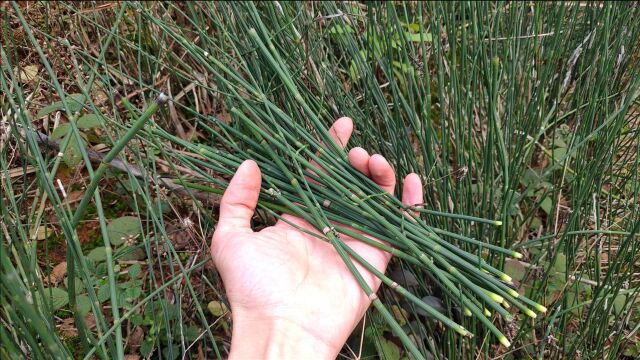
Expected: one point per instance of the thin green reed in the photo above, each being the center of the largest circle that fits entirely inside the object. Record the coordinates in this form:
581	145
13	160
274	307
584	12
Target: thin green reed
483	88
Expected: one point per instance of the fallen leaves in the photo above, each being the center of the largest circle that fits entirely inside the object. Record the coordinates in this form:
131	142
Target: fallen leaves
58	273
27	74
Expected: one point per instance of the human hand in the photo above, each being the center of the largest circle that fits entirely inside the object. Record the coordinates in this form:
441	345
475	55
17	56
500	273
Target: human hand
291	294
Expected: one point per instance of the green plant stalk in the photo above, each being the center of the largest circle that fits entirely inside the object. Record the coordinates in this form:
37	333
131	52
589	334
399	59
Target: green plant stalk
374	299
541	239
117	148
155	218
19	298
339	229
479	244
402	291
459	95
440	260
47	184
255	37
89	193
456	216
199	310
75	133
142	302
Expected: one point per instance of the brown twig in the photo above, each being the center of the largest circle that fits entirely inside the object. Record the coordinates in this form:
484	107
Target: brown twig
121	165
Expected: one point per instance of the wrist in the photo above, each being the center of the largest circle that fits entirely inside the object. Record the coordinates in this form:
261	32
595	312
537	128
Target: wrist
263	337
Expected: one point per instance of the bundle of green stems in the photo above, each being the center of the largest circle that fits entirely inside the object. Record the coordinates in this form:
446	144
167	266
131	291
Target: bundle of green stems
308	175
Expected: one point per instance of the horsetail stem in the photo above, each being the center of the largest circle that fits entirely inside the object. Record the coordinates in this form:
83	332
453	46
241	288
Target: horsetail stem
117	148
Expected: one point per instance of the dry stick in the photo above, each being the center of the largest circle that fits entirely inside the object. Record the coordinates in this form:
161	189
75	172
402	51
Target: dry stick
118	147
123	166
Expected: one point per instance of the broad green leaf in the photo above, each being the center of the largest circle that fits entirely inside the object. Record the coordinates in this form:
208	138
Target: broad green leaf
60	131
558	140
415	27
547	205
129	293
191	333
559	153
585	289
633	350
163	206
72	155
120	229
89	121
104	293
74	101
535	223
369	348
619	303
134	270
136	319
83	304
217	308
58	297
529	177
426	37
171	352
147	347
98	254
573	300
101	270
514	207
560	265
79	285
129	253
389	349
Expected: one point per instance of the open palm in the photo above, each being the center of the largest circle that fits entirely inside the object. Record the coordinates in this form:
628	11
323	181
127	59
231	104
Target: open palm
283	274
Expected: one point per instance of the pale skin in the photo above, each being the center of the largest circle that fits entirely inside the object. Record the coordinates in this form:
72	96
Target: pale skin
291	295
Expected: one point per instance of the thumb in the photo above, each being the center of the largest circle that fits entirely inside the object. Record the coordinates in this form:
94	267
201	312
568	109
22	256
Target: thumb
240	199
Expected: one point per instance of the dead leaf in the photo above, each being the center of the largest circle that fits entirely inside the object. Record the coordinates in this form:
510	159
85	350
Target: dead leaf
224	117
68	328
39	233
136	337
75	196
58	272
91	321
100	97
28	74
